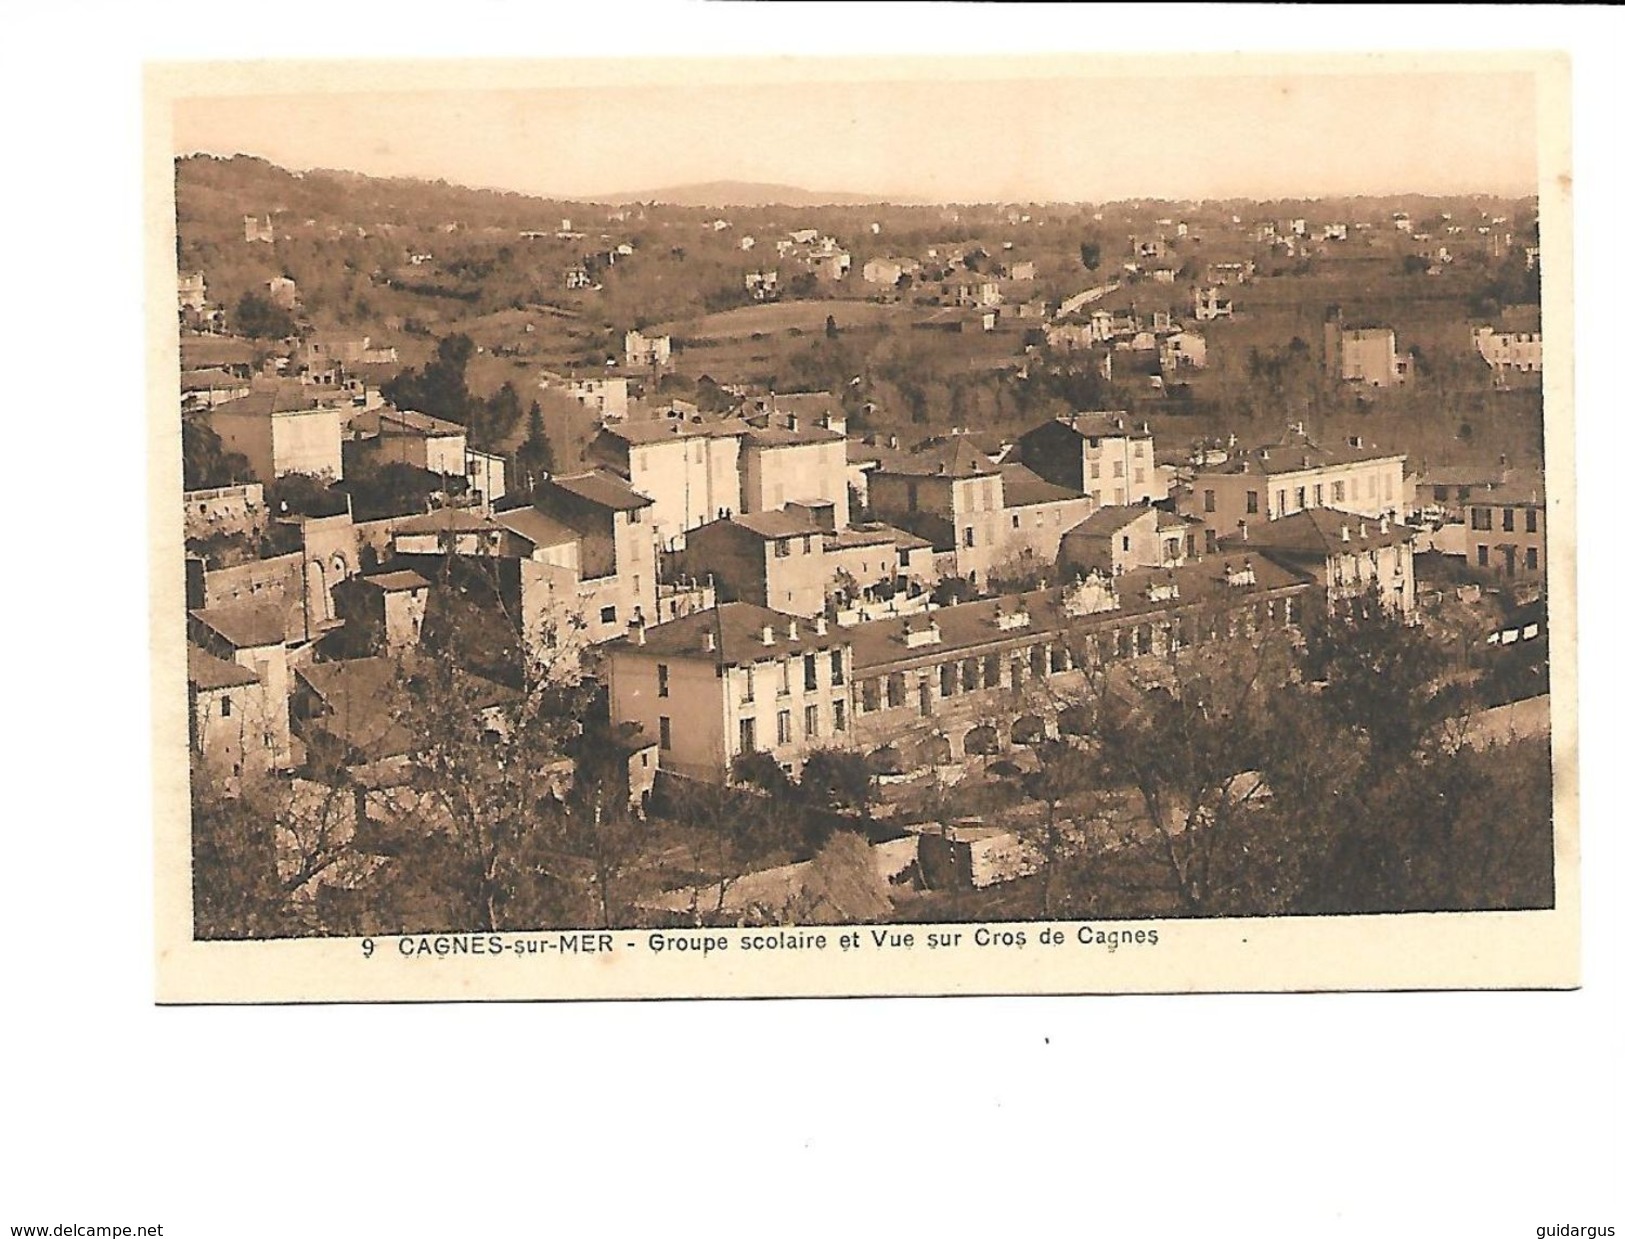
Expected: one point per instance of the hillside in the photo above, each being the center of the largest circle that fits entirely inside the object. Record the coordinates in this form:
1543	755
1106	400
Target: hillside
749	194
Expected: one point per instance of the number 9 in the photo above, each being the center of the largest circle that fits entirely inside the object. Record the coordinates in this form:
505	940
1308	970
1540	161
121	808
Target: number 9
366	948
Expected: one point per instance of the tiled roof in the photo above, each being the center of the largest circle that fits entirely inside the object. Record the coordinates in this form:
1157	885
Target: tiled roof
205	671
210	380
1105	522
447	520
537	528
604	489
971	625
957	459
421	423
1319	532
1023	487
669	429
394	582
283	398
777	524
1296	455
245	625
736	631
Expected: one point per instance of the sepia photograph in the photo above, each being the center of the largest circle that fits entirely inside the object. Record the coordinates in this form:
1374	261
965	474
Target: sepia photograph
939	618
906	536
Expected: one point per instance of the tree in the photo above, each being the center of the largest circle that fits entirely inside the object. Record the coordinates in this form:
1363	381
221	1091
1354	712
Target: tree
1378	672
831	331
261	318
837	780
1065	772
535	456
1089	255
441	388
204	460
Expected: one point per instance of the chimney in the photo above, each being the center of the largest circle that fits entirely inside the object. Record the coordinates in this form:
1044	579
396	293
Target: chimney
767	634
635	629
1346	532
1363	533
1383	525
792	632
708	641
1242	525
820	626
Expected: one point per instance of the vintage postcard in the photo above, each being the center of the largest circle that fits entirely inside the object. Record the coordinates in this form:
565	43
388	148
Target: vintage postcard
779	527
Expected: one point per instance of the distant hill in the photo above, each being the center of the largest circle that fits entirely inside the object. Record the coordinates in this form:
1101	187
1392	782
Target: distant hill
746	194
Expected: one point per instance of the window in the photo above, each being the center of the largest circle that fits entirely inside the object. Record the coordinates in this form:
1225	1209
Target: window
635	516
840	715
781	548
784	727
806	544
750	685
225	705
970	537
1139	477
894	691
809	669
1320	495
1300	496
747	735
1531	559
871	695
1483	557
1507	519
1094	469
1252	502
1280	503
837	668
1015	520
1139	448
1338	489
784	677
1117	468
1125	543
607	615
1531	521
811	722
662	680
1210	541
1481	518
665	734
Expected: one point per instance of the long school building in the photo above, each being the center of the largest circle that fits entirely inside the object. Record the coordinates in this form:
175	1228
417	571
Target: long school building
741	678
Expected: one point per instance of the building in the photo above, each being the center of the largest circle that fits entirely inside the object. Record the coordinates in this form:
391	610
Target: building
1117	540
203	389
429	443
1362	354
762	285
257	229
192	292
1508	352
793	450
282	291
1099	454
617	548
1506	530
1182	350
251	637
1266	483
605	396
647	351
887	271
951	495
227	715
688	469
387	608
733	680
225	510
1209	305
1350	554
983	675
281	430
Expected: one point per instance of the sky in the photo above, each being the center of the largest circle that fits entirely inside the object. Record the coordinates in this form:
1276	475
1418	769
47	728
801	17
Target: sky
962	130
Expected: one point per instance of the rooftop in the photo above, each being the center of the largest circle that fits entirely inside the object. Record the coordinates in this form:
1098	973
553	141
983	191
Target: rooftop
395	582
777	524
959	458
735	629
1319	532
245	626
602	489
535	527
971	625
1297	452
447	520
205	671
421	423
1023	487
